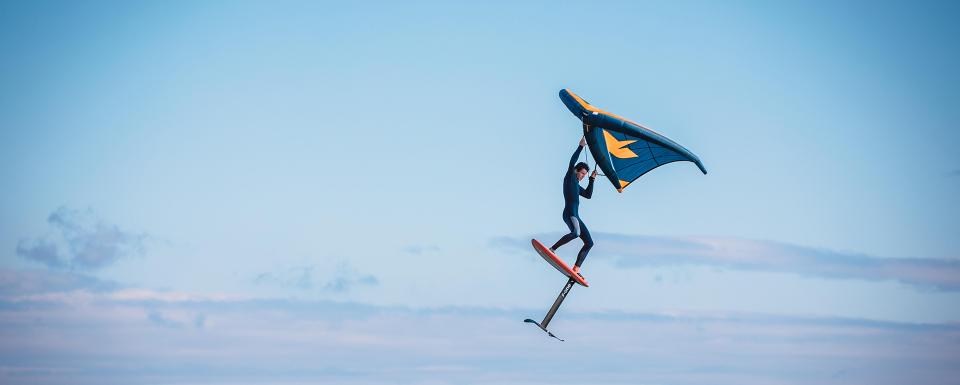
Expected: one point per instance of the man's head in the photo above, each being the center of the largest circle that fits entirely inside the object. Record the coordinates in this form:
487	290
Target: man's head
581	169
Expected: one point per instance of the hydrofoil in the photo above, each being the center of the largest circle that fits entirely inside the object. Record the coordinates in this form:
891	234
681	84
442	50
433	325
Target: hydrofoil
572	278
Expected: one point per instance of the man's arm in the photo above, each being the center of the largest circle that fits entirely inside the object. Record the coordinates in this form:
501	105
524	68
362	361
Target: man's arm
588	192
576	154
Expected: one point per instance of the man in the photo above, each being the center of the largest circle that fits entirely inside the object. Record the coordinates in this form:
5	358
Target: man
571	197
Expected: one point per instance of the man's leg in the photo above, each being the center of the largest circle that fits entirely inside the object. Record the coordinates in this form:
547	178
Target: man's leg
587	244
574	225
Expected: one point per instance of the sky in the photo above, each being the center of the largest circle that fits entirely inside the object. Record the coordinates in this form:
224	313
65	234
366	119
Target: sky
323	192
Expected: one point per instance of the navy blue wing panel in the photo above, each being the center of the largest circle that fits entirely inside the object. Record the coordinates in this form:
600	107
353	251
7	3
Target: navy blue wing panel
631	156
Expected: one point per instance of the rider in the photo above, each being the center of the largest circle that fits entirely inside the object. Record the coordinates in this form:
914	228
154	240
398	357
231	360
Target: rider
571	197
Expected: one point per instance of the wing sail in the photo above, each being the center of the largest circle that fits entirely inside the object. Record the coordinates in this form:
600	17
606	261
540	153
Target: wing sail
624	150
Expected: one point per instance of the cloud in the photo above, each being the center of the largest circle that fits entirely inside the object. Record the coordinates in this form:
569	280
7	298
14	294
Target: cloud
181	320
421	249
344	278
160	320
81	240
633	251
288	341
32	282
347	278
299	277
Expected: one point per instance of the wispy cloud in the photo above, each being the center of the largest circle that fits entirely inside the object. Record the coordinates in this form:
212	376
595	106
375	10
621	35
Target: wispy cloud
32	282
81	240
159	319
346	278
280	341
421	249
179	321
742	254
299	277
342	279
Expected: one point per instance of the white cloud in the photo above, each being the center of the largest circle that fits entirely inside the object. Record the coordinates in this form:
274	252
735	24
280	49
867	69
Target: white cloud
636	251
155	337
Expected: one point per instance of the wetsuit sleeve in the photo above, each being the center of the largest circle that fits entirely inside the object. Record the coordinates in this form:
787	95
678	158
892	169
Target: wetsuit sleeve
587	192
573	160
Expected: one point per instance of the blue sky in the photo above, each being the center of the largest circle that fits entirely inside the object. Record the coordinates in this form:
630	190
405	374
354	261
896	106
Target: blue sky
195	172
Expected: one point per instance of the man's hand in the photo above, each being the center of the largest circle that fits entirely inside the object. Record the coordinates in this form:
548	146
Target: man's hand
594	174
583	142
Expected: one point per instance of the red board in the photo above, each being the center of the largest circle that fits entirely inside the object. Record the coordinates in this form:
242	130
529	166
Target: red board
556	262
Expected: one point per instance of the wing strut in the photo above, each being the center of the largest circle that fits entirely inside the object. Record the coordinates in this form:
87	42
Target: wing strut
553	309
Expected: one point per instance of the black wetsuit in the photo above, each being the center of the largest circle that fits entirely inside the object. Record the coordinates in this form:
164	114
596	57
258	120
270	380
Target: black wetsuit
571	216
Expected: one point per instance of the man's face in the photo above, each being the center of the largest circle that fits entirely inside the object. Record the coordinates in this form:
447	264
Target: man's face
581	172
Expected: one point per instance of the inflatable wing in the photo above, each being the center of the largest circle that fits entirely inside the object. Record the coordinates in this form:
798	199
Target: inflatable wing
624	150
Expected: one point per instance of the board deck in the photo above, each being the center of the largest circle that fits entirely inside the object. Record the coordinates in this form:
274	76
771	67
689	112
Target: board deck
557	263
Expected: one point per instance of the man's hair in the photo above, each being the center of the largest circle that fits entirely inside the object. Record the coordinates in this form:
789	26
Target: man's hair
581	165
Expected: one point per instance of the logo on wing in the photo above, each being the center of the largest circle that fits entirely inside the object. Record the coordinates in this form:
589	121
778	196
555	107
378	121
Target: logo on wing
618	148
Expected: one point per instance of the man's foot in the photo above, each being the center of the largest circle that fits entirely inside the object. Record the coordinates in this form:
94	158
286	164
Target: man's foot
576	270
